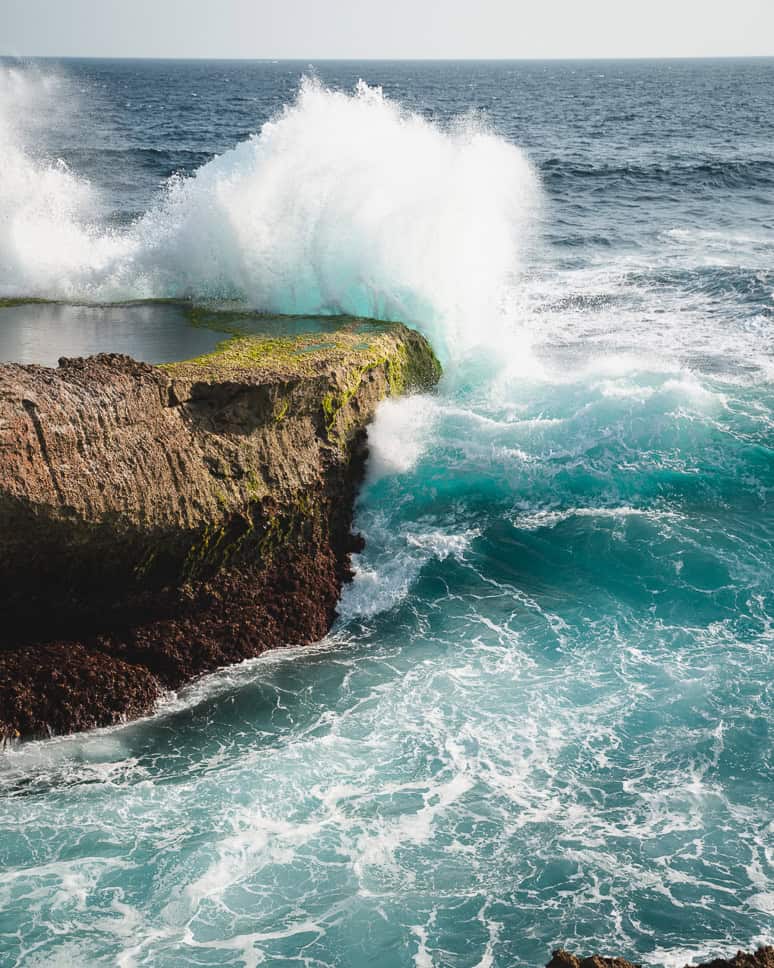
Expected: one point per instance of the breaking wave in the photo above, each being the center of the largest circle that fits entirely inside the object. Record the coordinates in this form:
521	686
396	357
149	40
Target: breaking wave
342	203
545	714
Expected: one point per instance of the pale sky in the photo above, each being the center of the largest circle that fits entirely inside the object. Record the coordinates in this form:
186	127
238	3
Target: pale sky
317	29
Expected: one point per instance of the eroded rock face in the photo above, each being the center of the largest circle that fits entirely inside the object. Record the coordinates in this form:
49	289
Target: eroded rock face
159	522
762	958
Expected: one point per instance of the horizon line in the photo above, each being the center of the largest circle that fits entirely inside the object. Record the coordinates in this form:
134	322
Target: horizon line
329	59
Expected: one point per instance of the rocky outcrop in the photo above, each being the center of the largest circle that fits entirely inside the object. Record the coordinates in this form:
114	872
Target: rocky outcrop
762	958
159	522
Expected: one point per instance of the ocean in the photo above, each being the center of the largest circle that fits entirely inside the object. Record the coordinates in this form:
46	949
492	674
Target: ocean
545	715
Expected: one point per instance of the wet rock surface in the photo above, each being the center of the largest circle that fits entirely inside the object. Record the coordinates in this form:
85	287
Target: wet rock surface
762	958
159	522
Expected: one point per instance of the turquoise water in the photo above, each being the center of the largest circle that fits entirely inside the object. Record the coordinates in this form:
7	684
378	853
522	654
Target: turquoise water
545	714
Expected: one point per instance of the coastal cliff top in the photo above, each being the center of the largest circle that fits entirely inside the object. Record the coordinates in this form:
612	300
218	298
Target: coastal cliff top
185	443
345	343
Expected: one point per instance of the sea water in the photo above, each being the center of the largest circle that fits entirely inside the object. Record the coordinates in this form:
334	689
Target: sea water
544	716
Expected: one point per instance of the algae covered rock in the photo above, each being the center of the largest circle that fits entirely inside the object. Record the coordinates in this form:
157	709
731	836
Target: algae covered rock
158	522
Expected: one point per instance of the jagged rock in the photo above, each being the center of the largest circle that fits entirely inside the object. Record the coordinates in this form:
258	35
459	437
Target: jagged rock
159	522
762	958
563	959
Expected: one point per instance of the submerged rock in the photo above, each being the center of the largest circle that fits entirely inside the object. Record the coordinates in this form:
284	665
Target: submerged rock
159	522
762	958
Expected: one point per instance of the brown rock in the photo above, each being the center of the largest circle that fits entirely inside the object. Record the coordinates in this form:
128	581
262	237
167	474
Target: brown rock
762	958
159	522
563	959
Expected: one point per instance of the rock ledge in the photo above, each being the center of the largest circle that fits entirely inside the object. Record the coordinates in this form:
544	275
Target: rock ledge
159	522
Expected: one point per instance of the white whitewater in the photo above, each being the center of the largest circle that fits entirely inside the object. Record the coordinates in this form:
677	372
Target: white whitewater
343	203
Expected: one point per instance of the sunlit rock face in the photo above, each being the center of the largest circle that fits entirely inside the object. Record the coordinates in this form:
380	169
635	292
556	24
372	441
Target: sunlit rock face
159	522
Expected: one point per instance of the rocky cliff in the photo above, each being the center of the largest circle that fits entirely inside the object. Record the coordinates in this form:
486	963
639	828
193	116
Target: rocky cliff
159	522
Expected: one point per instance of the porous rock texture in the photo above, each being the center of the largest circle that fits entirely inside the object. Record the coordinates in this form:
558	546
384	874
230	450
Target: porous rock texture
762	958
159	522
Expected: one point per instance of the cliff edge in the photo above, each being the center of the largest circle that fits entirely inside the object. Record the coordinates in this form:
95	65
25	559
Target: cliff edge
159	522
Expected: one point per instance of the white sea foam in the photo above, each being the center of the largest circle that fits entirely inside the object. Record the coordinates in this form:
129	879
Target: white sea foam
380	585
474	758
533	521
422	957
48	238
399	435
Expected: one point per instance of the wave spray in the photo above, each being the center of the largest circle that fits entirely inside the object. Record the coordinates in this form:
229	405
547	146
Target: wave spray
342	203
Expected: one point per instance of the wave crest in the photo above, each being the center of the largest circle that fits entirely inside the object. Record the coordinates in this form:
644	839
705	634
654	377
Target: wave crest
342	203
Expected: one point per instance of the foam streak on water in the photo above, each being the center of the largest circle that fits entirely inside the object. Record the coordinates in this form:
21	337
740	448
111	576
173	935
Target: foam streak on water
545	714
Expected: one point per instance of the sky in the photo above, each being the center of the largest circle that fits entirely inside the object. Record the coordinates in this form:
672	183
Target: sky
320	29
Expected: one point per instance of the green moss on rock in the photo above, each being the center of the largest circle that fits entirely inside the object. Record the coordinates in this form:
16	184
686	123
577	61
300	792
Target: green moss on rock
354	343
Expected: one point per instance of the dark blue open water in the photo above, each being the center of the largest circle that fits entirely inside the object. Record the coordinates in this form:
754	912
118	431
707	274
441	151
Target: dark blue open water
545	716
